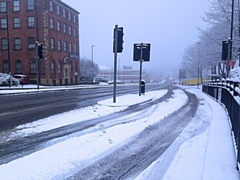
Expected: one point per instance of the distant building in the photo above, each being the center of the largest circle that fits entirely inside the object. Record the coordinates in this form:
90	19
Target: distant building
105	73
126	74
52	23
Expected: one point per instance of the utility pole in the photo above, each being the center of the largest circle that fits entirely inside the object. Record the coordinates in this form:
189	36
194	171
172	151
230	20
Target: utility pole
140	72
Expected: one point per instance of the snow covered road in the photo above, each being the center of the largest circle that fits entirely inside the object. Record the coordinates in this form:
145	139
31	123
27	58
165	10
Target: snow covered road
95	144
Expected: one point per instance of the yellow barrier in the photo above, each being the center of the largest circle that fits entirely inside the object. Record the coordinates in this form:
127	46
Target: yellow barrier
194	81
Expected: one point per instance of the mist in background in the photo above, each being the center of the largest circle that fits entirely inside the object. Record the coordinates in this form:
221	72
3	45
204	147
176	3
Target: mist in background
169	26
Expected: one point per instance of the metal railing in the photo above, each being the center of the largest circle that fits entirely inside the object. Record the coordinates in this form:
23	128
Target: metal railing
227	92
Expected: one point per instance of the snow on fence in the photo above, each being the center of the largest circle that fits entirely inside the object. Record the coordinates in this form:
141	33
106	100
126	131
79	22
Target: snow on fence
227	92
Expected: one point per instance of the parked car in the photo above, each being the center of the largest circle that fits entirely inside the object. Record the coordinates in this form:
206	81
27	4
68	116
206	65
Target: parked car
23	79
101	80
7	79
117	82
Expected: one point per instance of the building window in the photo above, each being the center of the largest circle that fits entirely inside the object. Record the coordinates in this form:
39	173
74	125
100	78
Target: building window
69	16
16	23
3	7
74	32
70	47
5	66
58	10
53	66
16	6
59	45
51	23
74	18
31	22
64	13
70	30
17	44
75	48
3	23
18	66
58	26
52	43
75	66
65	46
33	66
70	66
4	44
31	43
50	5
30	5
59	67
64	28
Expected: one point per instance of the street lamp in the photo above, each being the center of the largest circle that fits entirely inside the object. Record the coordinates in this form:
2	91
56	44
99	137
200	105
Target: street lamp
9	61
92	52
198	63
92	62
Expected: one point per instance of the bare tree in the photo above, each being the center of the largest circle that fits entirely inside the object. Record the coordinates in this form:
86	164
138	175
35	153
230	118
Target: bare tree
209	47
88	69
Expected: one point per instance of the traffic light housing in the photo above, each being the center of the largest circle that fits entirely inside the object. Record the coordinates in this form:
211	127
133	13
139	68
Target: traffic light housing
40	51
136	52
119	40
224	50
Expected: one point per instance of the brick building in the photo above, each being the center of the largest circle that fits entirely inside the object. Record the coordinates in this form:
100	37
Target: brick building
51	23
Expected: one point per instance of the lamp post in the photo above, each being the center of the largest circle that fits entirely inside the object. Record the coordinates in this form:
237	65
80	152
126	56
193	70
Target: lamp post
92	51
37	46
198	63
8	39
92	62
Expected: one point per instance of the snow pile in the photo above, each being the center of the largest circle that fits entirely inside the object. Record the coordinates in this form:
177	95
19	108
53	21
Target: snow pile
235	74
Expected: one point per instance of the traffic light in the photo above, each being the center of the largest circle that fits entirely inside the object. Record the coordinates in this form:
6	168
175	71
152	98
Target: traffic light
146	52
119	40
136	52
224	50
40	51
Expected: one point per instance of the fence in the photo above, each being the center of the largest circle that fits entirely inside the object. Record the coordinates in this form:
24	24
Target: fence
227	92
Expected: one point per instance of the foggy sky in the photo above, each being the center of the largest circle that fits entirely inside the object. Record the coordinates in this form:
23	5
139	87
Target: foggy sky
169	25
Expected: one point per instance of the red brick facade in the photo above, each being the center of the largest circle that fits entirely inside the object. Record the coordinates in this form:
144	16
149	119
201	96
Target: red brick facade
55	25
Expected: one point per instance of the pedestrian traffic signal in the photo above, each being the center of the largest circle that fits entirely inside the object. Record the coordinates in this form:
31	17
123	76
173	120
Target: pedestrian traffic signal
40	51
144	48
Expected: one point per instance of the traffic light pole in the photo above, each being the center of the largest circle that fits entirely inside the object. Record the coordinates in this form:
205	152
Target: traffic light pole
115	63
140	75
37	64
229	57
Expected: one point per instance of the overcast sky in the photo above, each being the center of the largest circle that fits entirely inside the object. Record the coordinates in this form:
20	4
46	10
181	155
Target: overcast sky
169	26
